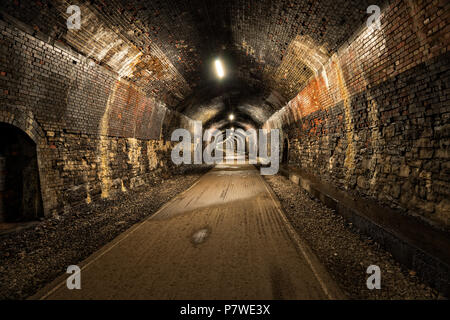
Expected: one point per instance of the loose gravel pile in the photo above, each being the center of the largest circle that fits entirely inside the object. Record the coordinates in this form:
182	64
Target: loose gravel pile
343	250
31	258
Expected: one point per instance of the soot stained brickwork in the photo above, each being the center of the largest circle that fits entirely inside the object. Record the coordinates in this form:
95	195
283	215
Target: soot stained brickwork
375	119
96	134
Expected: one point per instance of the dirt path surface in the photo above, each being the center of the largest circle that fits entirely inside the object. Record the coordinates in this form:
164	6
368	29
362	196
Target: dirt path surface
344	251
224	238
31	258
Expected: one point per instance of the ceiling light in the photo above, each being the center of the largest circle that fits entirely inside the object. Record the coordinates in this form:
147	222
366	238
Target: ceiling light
219	68
231	117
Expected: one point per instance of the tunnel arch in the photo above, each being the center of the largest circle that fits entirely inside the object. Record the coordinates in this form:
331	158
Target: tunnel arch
285	157
22	118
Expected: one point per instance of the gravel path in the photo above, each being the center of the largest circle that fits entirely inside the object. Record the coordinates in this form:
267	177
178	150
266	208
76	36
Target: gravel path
343	250
222	239
31	258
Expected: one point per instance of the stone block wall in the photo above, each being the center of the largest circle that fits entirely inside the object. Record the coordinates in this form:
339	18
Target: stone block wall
96	134
374	120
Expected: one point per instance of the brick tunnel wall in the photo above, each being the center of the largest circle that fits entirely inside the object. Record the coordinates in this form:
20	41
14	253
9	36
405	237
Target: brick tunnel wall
96	134
375	120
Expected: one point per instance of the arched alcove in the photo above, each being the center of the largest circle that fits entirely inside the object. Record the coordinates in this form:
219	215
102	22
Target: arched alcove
20	193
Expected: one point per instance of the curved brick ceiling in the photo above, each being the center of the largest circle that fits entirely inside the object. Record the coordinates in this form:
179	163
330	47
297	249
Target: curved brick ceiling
270	47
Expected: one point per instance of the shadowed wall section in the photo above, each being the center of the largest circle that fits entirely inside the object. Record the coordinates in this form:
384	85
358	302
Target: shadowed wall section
98	134
374	120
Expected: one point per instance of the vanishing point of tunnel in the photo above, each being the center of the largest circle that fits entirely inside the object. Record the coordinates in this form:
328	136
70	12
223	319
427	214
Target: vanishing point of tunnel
233	150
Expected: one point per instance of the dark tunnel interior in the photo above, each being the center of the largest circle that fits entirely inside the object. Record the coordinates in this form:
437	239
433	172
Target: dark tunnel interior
224	150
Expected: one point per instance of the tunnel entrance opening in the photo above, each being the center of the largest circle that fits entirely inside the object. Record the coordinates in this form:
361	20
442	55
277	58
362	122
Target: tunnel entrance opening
285	158
20	194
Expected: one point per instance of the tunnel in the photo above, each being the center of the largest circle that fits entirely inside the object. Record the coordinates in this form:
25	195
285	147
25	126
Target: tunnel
224	150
